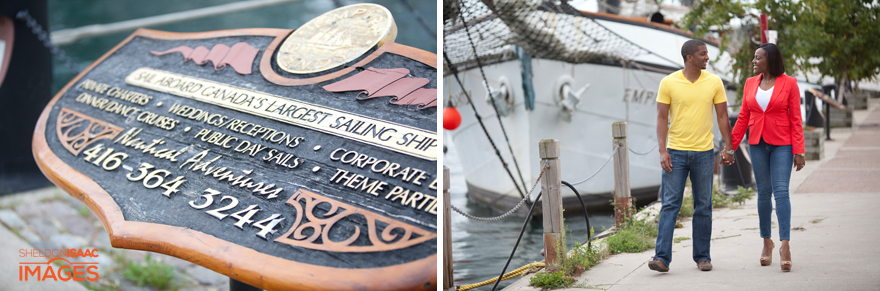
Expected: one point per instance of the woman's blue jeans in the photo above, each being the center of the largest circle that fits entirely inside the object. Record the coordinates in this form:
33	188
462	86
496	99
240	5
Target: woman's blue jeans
772	167
699	166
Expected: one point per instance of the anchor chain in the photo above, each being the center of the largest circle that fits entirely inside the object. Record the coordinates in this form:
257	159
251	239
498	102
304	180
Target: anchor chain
43	36
509	212
645	153
600	168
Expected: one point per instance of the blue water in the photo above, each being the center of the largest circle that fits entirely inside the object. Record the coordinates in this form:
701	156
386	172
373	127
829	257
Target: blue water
480	249
72	14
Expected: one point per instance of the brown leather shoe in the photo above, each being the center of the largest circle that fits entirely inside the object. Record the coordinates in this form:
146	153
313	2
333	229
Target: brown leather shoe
658	265
704	266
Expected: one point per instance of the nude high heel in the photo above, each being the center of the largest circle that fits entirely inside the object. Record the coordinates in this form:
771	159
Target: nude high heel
785	265
766	261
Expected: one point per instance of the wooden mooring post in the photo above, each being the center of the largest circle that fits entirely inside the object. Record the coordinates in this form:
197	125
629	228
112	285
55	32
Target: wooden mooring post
447	233
552	202
621	173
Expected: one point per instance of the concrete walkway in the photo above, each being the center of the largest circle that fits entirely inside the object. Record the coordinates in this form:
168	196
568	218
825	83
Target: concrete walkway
834	241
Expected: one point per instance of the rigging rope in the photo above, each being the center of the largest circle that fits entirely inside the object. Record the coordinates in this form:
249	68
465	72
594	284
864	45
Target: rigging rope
518	239
422	21
454	70
546	29
497	113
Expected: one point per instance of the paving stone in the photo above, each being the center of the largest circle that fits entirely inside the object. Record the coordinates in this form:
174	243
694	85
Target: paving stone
78	226
173	261
133	255
28	210
182	279
132	286
12	220
43	226
57	208
30	236
114	279
105	263
206	276
73	201
101	240
68	241
45	245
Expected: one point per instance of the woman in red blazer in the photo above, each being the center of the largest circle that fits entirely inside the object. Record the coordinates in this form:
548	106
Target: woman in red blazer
772	112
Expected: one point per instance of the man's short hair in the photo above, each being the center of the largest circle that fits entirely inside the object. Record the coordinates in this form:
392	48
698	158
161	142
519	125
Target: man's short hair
775	65
690	47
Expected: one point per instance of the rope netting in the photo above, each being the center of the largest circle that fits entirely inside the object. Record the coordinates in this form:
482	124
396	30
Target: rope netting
547	30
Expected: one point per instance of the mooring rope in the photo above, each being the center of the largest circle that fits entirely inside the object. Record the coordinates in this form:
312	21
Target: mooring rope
509	212
529	268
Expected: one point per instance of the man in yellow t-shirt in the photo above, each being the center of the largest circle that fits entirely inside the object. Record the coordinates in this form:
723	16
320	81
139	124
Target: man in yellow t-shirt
686	98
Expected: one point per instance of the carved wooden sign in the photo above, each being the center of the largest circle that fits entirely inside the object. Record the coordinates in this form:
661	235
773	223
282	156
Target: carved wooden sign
284	181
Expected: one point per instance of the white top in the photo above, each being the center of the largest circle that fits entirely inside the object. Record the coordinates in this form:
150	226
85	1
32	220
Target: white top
763	97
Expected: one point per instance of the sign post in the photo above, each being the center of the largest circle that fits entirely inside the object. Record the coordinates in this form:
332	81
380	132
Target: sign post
301	160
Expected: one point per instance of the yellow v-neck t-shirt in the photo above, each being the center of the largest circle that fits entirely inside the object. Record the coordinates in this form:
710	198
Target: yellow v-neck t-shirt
690	109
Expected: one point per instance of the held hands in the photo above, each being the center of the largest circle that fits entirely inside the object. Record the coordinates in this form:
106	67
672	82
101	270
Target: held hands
727	159
799	162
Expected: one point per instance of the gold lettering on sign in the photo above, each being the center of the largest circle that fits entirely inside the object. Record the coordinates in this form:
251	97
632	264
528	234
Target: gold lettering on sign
413	199
358	182
91	85
116	92
384	167
379	240
106	104
397	137
222	173
93	129
130	139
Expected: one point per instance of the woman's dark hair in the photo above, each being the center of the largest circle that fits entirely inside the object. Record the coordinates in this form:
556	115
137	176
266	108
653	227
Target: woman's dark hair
774	59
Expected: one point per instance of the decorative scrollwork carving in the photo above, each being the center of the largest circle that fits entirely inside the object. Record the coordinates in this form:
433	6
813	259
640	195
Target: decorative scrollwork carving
395	83
240	56
76	130
395	235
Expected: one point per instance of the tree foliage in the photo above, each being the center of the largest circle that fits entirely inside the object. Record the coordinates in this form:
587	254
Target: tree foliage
843	34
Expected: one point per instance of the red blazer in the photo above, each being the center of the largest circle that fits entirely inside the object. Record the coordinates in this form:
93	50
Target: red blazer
780	124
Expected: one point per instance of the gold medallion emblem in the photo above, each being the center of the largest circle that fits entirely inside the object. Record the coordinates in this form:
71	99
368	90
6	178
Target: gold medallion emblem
335	38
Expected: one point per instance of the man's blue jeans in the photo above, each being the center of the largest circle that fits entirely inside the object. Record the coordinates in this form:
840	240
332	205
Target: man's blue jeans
699	166
772	167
